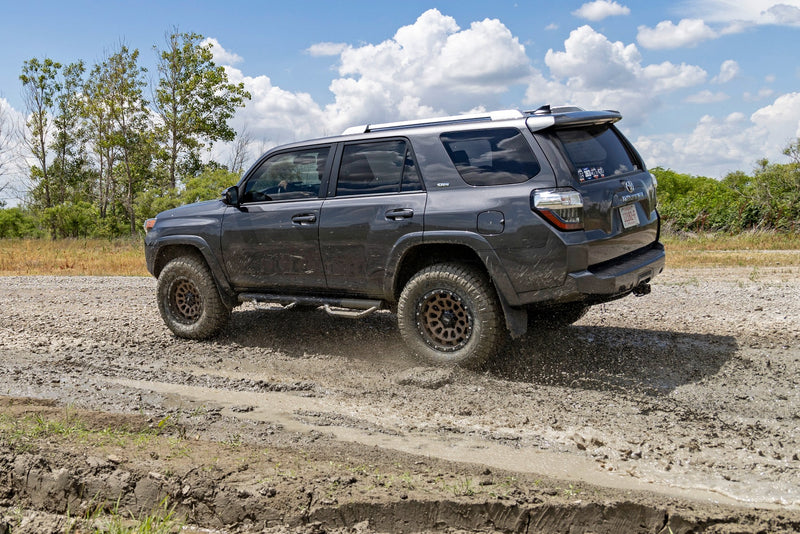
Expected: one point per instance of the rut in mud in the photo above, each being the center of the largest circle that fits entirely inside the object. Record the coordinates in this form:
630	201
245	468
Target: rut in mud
678	409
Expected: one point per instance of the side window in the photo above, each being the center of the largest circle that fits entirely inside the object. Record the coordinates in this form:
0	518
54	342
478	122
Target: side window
491	157
286	176
411	178
372	168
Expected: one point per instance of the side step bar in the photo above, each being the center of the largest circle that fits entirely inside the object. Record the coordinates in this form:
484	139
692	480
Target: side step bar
349	308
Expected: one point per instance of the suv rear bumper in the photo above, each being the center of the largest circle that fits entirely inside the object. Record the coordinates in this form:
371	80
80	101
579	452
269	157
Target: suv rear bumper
621	275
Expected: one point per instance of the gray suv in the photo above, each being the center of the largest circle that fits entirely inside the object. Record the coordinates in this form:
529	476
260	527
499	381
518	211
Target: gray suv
469	228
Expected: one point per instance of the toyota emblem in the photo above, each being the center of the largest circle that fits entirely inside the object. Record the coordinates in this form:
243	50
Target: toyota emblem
629	186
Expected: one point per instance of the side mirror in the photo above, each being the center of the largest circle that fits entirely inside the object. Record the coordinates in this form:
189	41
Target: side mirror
231	196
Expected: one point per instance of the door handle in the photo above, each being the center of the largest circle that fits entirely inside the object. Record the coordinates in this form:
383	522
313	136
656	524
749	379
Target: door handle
401	213
305	218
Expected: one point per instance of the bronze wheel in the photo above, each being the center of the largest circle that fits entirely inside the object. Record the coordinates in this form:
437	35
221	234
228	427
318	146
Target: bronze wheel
443	320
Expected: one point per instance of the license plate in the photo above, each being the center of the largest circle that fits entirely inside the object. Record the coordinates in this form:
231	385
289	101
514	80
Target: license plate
629	216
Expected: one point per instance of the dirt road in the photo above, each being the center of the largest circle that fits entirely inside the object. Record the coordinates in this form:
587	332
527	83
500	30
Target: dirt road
676	411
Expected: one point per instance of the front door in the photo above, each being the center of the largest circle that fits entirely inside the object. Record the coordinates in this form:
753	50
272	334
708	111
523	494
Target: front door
271	241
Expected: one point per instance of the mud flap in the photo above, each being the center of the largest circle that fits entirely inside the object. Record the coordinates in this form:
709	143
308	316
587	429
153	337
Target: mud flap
516	318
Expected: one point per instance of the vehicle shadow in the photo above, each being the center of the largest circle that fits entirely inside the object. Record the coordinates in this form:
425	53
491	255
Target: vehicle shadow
602	358
606	358
307	331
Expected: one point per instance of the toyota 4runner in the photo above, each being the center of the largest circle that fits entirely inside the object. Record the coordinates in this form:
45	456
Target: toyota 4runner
469	228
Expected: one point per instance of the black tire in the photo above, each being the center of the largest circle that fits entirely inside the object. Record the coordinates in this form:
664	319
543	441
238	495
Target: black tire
558	316
448	314
189	301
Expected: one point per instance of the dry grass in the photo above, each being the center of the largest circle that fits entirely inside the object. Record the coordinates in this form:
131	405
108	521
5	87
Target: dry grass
74	257
748	249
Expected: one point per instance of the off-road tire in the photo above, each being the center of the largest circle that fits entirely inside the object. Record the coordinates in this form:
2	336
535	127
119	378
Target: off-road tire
189	301
449	314
558	316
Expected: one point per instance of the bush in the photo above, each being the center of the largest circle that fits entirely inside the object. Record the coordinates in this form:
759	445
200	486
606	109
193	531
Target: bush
15	223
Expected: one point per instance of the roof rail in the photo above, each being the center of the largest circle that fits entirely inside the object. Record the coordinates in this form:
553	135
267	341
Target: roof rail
455	119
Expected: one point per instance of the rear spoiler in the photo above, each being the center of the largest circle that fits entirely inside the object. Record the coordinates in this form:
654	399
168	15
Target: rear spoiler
571	118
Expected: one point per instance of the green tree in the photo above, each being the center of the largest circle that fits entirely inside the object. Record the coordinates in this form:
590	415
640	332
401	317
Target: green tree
194	100
39	87
121	85
69	167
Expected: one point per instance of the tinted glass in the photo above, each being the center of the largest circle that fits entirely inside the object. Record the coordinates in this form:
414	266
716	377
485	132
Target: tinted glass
372	168
596	152
287	176
491	157
411	179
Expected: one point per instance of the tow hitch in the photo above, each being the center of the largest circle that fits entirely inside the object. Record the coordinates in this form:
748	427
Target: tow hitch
642	289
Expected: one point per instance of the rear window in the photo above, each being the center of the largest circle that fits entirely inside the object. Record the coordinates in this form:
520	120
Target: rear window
596	152
491	157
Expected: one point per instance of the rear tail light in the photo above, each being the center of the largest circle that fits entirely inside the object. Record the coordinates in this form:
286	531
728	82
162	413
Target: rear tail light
563	208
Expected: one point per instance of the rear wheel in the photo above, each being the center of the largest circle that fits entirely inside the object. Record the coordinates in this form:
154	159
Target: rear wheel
448	314
188	299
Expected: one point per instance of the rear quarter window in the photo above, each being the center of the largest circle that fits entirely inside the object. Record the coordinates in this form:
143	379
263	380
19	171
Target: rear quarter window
596	152
495	156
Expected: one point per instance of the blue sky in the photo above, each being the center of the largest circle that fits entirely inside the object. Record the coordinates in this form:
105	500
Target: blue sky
705	86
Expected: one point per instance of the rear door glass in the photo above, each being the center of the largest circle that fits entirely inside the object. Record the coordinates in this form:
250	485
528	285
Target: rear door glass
596	152
494	156
377	167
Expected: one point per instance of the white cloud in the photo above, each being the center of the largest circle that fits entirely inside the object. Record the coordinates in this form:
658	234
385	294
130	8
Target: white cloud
327	49
13	155
430	66
600	9
727	71
706	97
552	26
666	76
221	56
764	92
688	32
718	146
738	15
595	72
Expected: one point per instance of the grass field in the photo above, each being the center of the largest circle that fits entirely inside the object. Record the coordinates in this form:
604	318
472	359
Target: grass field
79	257
125	257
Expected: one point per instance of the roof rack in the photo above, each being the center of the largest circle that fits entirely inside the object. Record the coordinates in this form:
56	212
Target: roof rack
455	119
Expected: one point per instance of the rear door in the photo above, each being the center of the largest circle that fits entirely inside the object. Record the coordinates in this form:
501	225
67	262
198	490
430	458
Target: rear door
375	200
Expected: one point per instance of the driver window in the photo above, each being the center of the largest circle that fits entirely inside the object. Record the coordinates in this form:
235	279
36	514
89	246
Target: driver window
287	176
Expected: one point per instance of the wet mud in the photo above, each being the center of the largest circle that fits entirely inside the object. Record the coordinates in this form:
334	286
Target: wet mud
676	412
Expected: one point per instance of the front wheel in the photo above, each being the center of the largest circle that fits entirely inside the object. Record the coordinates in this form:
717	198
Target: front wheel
189	301
448	314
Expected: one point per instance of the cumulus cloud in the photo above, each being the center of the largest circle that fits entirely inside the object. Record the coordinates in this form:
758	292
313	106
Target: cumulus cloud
600	9
688	32
221	56
718	146
593	71
727	71
13	153
430	66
